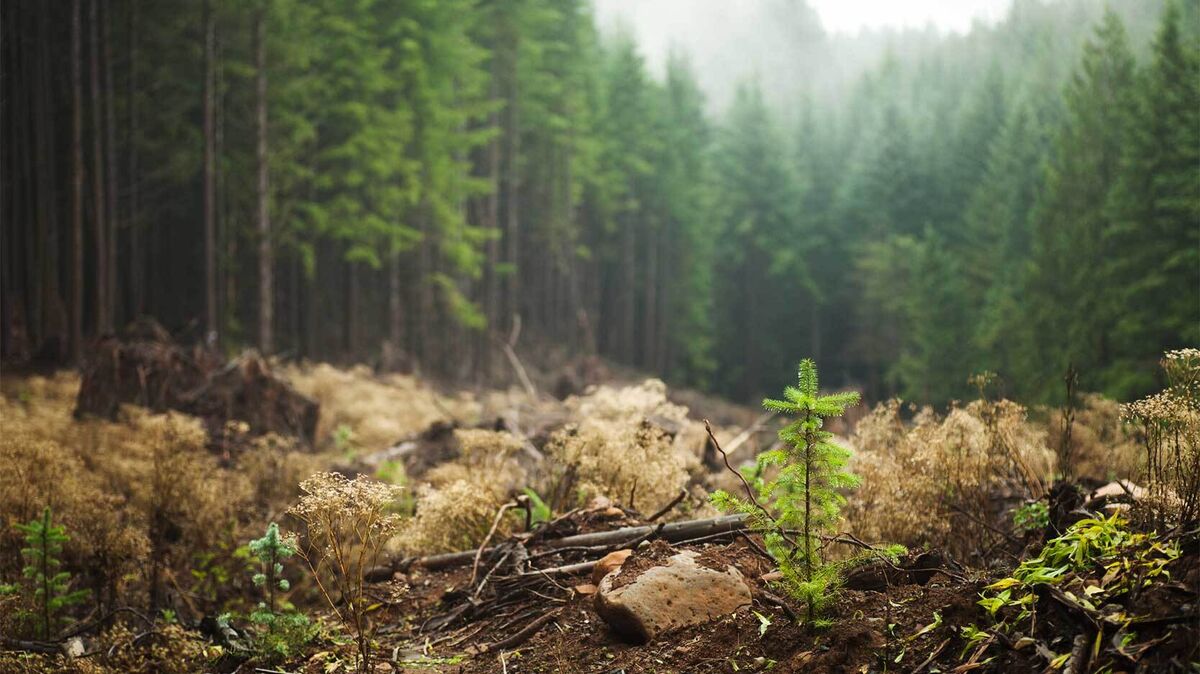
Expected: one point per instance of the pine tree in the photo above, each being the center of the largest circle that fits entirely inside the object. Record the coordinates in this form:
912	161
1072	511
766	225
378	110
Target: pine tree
806	496
49	586
1069	299
997	231
1154	209
765	241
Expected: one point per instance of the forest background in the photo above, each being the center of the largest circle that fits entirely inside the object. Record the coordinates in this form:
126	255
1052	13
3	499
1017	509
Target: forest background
398	182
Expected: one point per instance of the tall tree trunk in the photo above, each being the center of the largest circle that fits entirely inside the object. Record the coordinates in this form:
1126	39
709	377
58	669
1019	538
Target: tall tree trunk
99	209
137	259
512	133
628	292
650	310
814	317
211	334
266	294
425	292
491	283
52	325
76	183
227	238
395	303
352	337
110	135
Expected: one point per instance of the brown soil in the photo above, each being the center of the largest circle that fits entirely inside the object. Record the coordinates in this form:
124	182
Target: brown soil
871	631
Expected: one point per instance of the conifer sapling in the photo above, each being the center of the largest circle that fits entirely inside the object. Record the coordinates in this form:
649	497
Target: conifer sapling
286	630
49	588
805	495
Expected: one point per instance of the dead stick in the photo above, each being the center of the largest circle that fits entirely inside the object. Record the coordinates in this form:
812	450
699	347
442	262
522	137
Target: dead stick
749	491
522	635
745	435
670	506
937	651
479	553
673	532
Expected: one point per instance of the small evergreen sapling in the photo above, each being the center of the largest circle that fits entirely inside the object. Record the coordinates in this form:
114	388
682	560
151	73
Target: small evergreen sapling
804	496
281	632
50	591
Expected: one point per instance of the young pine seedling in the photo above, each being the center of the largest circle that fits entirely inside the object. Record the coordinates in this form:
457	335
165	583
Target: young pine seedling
281	632
802	503
49	590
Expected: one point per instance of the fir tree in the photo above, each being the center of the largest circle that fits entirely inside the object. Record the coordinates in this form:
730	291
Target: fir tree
806	495
1154	211
281	632
1067	291
49	587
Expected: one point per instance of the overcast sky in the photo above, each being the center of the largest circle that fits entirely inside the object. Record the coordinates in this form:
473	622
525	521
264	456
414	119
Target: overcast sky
728	40
657	18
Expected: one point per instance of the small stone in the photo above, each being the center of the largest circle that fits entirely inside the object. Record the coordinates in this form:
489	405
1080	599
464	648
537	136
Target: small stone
675	594
74	648
586	589
609	563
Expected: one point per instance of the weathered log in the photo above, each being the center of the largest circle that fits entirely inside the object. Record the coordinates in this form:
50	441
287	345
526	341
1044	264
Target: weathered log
674	532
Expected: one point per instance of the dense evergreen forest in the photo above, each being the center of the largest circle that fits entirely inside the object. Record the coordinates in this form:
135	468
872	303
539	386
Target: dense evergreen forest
398	182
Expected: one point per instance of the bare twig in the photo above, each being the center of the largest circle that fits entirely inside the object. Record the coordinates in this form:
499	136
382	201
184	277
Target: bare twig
750	431
672	532
669	507
495	524
749	490
522	635
929	660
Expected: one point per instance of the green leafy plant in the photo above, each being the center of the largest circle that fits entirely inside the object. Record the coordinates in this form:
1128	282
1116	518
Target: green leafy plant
48	591
280	632
805	495
1090	545
538	510
1031	517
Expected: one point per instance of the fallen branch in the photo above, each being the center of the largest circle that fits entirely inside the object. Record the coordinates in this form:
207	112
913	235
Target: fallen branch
929	660
30	646
521	636
673	532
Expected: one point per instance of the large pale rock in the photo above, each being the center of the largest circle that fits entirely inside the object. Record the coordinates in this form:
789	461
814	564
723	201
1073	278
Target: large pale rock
675	594
609	563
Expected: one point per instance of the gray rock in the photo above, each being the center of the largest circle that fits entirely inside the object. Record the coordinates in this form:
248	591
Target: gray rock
678	593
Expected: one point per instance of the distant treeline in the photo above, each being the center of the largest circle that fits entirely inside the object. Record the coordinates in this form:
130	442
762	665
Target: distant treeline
340	180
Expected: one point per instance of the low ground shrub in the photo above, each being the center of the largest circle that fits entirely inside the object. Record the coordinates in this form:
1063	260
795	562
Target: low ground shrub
345	524
948	480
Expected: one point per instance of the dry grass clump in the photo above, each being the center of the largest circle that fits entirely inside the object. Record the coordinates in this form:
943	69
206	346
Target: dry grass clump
633	464
1103	448
614	453
274	467
484	456
1168	424
142	498
629	404
453	517
346	524
455	510
379	410
939	479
